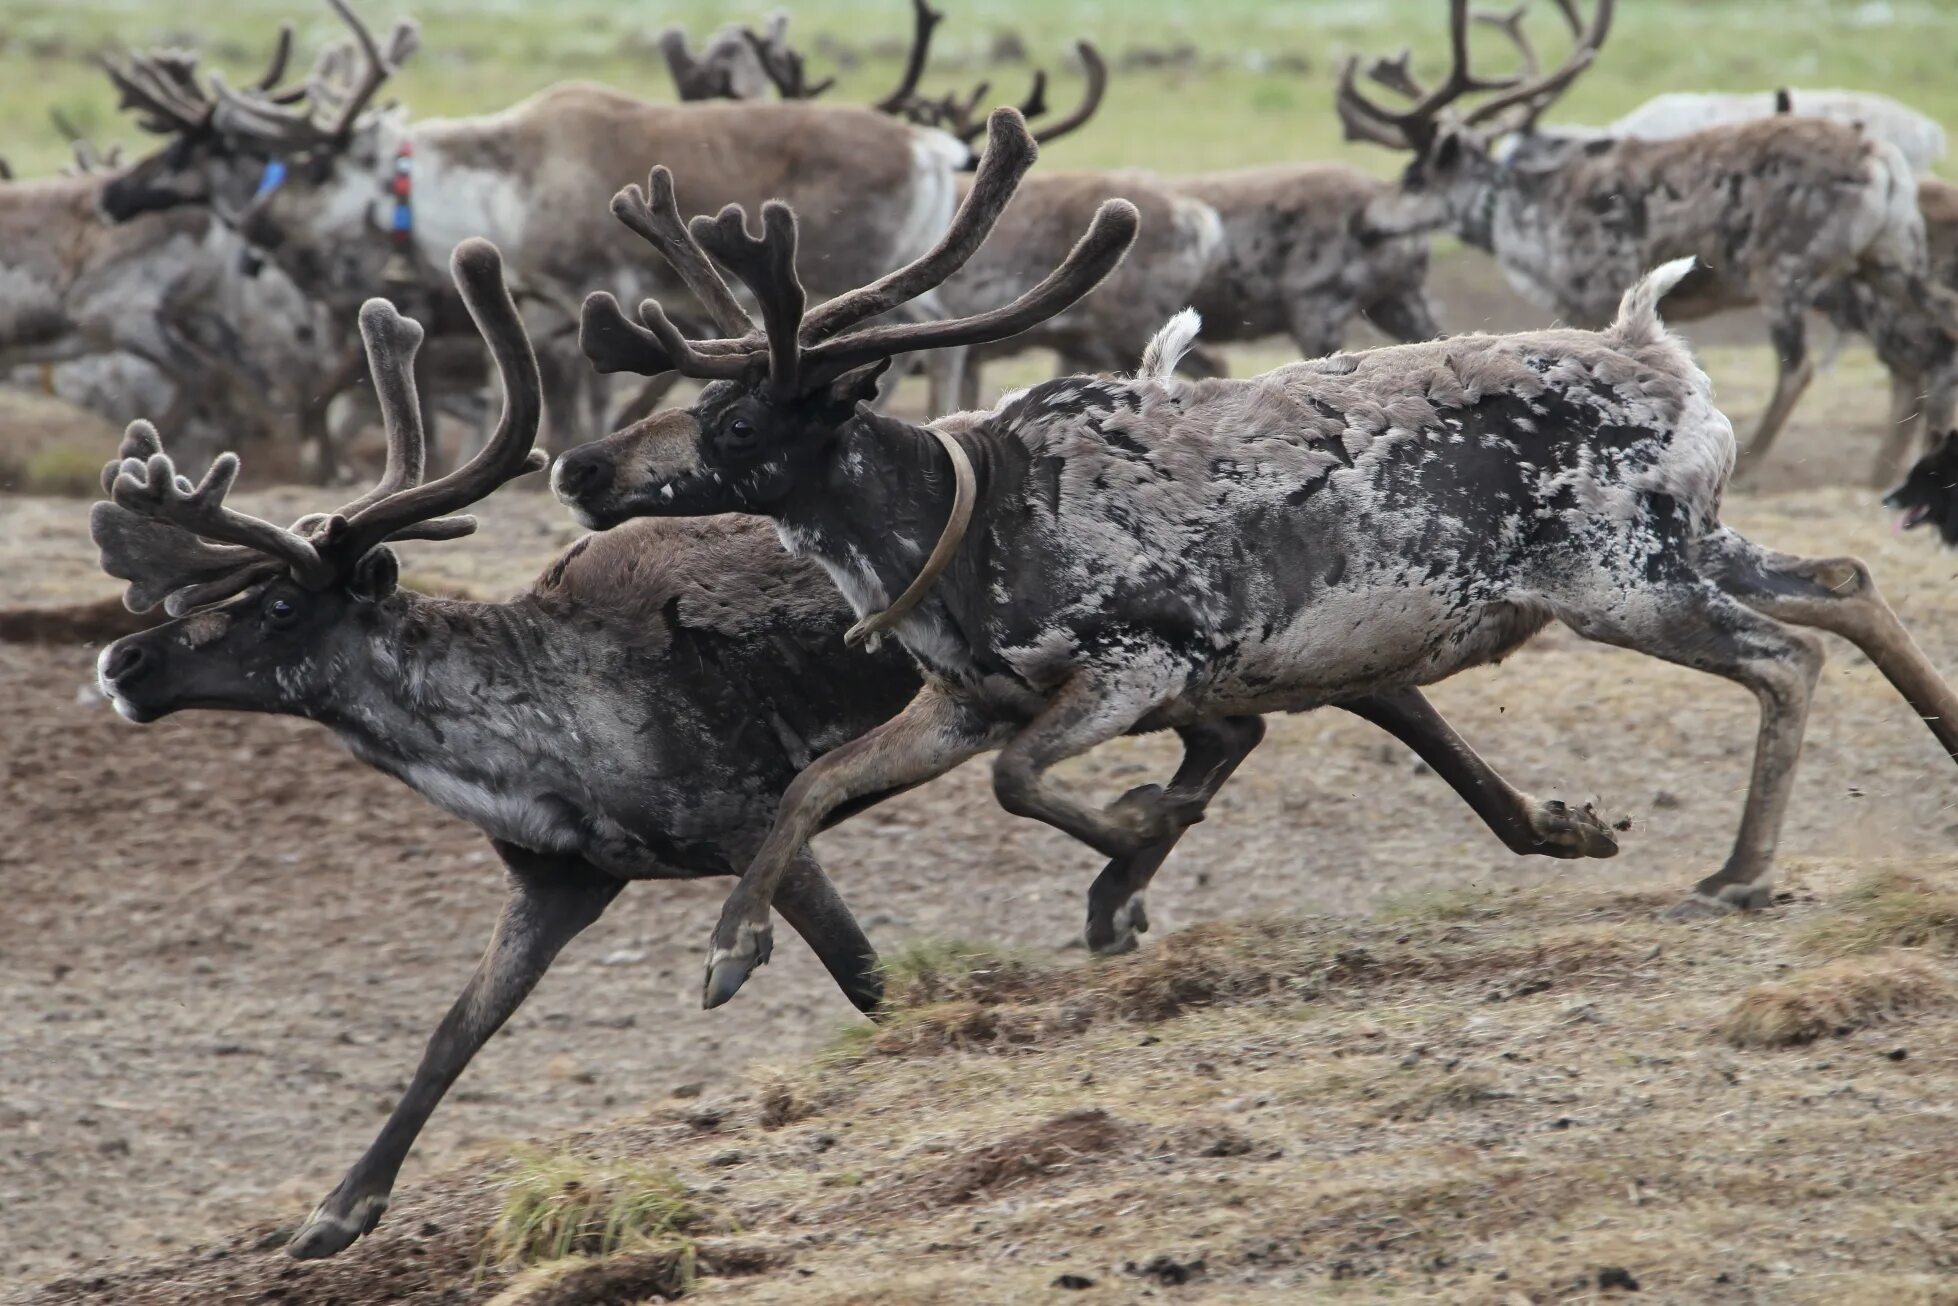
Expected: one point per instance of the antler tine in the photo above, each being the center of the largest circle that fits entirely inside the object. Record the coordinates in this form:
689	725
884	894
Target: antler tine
1097	253
923	18
766	265
281	54
392	342
1010	151
692	80
1538	94
654	214
1416	124
376	65
782	62
1097	72
166	101
1360	117
1396	75
1511	26
1035	105
959	118
152	489
416	511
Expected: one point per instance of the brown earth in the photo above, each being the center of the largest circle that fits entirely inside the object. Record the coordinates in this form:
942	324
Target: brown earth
223	942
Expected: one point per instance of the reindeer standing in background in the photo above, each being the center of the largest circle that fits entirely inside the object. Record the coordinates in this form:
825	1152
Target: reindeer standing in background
1774	211
533	177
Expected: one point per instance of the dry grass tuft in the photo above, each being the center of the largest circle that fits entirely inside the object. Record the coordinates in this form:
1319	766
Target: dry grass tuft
1836	999
1430	1095
1048	1148
946	970
562	1206
623	1280
63	470
1890	909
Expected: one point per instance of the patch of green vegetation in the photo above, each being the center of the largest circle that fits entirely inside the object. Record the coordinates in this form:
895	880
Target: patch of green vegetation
935	970
1889	909
1226	105
562	1205
63	469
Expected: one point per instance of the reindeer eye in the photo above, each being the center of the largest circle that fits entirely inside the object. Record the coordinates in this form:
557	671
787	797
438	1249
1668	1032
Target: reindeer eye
741	426
280	611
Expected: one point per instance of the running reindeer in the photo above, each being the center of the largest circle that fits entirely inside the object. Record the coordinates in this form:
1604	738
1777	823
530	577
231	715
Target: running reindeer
1116	556
1774	210
697	665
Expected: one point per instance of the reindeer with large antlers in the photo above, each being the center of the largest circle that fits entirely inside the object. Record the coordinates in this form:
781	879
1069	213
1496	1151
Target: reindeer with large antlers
1773	210
1116	556
633	639
1176	250
698	666
533	177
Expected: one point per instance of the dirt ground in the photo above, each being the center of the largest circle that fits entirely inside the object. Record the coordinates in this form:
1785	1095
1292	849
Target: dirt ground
223	942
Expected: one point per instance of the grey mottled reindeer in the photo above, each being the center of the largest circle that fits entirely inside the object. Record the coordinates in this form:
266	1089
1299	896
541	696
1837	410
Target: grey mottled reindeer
1774	210
634	716
1117	556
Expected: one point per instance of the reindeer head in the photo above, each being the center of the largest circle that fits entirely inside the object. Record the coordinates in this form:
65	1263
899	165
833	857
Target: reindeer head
268	616
780	391
1457	155
253	151
1930	491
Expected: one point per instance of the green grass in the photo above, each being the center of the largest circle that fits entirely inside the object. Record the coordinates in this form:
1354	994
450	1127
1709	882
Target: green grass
561	1205
480	55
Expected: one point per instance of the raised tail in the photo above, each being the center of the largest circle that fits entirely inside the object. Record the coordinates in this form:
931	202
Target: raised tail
1638	312
1167	347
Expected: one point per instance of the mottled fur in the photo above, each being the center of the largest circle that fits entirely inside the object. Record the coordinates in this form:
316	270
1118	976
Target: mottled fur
1178	244
1149	554
1775	210
1681	113
1908	337
165	290
1302	257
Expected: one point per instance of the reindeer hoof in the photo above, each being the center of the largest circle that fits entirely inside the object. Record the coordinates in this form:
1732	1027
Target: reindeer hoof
1700	905
326	1235
1571	832
1117	935
728	967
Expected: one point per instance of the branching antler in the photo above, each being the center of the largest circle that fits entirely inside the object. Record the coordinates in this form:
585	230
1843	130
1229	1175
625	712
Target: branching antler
805	351
923	20
962	117
1416	127
326	112
782	62
179	544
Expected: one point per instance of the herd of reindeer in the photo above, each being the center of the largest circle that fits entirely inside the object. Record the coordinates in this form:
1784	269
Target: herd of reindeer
795	603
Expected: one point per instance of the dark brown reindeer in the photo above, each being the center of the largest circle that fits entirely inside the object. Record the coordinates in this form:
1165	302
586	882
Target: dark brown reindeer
1118	556
699	666
1776	210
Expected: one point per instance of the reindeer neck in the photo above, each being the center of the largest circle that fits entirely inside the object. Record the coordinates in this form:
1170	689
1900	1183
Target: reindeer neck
873	517
438	677
467	179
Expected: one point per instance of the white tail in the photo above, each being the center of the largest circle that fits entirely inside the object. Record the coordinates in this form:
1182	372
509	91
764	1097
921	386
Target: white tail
1168	345
1638	312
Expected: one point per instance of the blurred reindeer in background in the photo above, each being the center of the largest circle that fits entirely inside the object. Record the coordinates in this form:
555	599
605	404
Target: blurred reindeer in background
1776	211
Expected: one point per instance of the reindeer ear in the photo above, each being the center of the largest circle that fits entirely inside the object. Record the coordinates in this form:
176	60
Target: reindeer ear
856	386
375	575
1447	150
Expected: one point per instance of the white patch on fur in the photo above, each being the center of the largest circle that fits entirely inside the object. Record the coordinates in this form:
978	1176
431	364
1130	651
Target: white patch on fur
516	818
1167	347
203	629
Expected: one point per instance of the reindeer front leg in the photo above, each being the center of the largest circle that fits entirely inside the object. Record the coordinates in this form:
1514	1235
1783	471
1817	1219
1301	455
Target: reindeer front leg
552	898
1526	825
934	733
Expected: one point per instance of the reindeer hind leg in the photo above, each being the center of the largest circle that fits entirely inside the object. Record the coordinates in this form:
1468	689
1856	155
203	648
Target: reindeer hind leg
1693	622
1839	596
1794	369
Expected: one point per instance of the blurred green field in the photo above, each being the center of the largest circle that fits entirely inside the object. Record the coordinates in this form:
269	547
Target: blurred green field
1221	105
